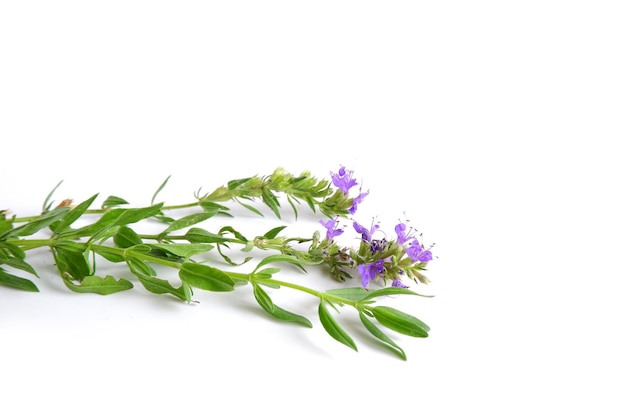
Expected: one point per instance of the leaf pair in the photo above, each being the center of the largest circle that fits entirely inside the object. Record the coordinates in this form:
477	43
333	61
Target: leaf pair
388	317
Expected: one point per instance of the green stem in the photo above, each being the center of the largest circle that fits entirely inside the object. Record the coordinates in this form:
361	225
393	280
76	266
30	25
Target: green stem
27	244
320	294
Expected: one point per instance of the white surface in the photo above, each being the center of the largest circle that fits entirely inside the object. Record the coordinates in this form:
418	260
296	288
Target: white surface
495	127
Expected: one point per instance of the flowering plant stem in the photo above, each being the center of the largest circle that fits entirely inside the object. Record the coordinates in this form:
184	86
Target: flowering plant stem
112	234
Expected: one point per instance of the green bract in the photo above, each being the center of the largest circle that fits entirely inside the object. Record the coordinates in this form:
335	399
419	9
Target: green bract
81	238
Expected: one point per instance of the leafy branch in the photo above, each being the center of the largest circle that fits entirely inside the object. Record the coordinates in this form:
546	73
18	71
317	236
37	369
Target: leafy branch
80	237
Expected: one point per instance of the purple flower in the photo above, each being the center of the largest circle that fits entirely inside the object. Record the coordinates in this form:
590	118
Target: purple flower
417	253
343	180
397	283
370	271
366	235
403	237
331	228
357	200
378	245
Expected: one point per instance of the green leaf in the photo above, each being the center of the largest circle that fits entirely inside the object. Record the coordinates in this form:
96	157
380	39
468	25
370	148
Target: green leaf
268	271
391	291
159	189
197	235
285	258
139	267
374	330
47	203
187	221
290	200
110	254
70	260
263	298
205	277
10	280
73	215
12	250
147	276
271	201
161	286
214	208
104	222
236	183
352	293
251	208
5	225
112	219
18	263
113	201
133	215
98	285
333	328
183	250
126	238
275	311
400	322
284	315
274	232
33	226
229	229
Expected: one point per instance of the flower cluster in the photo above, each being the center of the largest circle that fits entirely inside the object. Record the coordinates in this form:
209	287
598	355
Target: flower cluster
376	258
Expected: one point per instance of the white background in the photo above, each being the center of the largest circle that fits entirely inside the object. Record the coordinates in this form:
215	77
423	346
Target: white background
495	127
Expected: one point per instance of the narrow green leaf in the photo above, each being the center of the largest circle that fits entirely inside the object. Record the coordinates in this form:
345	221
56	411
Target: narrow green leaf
197	235
263	298
187	221
352	293
183	250
139	267
293	206
70	259
236	183
126	238
121	217
18	264
41	222
5	225
205	277
251	208
271	201
13	250
284	315
113	201
333	328
214	208
98	285
284	258
73	215
374	330
392	291
275	311
10	280
108	253
106	220
400	322
274	232
229	229
310	202
133	215
47	203
160	286
268	271
159	189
